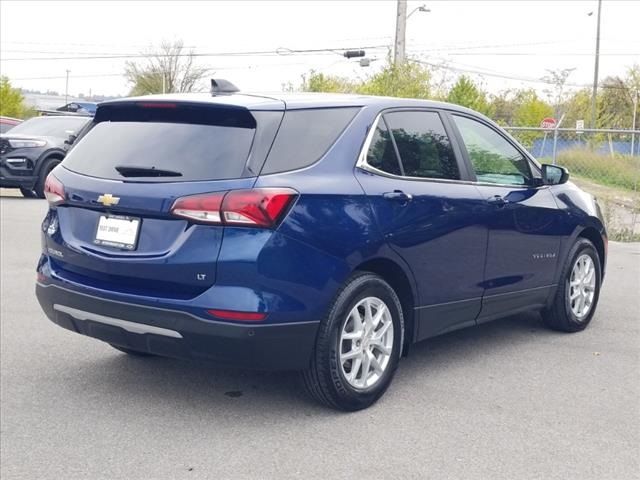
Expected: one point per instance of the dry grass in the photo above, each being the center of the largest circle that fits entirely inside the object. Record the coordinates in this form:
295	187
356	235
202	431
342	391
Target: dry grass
618	170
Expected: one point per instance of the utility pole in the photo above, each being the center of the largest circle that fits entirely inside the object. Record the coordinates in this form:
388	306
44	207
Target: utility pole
595	71
401	26
633	127
66	89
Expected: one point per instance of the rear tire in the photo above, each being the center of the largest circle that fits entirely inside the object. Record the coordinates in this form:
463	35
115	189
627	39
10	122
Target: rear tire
578	291
129	351
48	165
27	192
358	345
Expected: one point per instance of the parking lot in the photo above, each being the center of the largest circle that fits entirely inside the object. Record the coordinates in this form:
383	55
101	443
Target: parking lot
509	399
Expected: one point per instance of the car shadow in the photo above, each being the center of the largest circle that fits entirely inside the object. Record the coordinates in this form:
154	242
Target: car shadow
212	390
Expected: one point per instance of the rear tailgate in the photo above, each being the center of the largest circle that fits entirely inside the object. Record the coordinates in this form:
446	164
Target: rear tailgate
115	231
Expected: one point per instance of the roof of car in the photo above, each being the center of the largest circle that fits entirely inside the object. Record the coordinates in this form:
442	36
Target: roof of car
277	101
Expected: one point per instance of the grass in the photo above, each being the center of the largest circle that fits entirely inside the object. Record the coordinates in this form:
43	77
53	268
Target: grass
621	171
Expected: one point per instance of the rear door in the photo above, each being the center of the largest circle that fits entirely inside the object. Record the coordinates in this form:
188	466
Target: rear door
115	230
522	218
428	214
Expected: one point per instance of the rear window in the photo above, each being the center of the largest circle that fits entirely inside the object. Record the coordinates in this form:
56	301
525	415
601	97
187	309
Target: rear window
305	136
130	144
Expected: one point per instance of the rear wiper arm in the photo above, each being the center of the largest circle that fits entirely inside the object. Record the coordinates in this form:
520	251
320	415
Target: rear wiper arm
133	171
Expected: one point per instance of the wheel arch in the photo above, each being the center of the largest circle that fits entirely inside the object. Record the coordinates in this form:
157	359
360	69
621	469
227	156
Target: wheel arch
594	236
54	154
402	283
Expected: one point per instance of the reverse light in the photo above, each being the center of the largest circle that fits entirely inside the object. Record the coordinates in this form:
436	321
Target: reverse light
53	190
258	207
237	316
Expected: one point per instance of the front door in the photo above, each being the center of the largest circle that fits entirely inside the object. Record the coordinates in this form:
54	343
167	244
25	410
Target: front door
428	215
522	218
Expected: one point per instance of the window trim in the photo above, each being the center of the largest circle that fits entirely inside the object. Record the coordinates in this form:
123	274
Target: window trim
361	163
534	169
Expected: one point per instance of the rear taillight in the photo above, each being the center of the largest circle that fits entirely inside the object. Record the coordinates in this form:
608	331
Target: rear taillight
259	207
53	190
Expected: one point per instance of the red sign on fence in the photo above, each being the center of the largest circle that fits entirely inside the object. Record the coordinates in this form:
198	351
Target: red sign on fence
548	123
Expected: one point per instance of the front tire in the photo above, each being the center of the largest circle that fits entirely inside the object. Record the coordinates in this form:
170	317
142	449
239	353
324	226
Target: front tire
578	290
358	345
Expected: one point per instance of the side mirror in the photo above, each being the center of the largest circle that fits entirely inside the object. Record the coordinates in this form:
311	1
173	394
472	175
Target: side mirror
554	175
71	139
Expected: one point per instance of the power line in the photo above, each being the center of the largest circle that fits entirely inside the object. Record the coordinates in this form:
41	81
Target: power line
479	71
282	51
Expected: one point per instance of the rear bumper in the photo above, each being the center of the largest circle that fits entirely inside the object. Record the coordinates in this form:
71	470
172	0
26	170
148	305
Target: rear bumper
179	334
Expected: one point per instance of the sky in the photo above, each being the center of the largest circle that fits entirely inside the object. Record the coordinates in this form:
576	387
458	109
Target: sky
500	44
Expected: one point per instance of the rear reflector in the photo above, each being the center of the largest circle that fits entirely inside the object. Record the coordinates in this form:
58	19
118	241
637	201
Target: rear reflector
238	316
53	190
258	207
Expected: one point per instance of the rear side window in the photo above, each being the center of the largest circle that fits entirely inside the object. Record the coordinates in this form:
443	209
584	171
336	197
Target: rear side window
381	154
424	147
305	136
165	145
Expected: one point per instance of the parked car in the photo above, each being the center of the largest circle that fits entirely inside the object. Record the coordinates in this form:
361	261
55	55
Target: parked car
87	108
33	148
7	123
320	233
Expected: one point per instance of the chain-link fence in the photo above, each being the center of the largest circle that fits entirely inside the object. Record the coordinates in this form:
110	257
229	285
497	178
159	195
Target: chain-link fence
605	163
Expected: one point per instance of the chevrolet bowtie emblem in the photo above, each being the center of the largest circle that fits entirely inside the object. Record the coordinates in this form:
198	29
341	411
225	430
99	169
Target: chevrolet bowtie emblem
107	199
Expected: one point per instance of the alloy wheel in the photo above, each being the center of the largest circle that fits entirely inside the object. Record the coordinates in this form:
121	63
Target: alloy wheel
366	343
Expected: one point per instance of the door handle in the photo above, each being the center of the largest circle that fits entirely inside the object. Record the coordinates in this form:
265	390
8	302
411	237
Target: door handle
497	200
398	196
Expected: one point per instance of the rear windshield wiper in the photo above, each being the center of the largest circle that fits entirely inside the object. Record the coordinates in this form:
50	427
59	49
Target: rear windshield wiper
133	171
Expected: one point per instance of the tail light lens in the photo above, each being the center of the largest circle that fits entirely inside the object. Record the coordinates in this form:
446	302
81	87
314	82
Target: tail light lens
53	190
259	207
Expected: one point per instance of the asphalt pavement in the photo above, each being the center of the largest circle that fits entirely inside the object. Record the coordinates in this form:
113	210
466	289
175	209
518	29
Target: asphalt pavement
506	400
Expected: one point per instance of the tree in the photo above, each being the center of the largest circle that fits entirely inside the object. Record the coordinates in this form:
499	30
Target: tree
578	107
11	100
530	109
407	80
319	82
503	107
466	93
169	68
557	78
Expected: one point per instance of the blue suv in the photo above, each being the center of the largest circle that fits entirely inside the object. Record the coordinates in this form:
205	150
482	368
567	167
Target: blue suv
312	232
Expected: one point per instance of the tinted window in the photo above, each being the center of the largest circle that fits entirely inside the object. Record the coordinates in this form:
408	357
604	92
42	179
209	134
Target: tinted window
494	159
305	136
60	127
425	150
381	154
196	152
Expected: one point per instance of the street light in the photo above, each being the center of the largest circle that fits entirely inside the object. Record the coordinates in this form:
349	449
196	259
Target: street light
421	8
